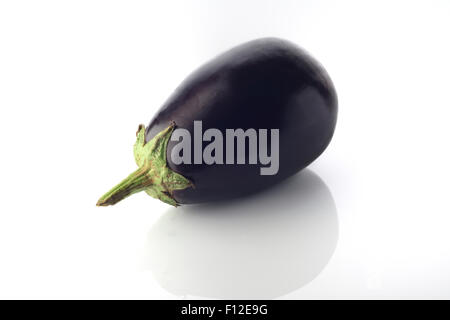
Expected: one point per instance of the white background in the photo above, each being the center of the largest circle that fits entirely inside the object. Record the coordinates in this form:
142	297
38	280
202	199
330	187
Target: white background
369	219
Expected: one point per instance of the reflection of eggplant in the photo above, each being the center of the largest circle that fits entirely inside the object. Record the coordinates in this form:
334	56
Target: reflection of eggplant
263	246
266	84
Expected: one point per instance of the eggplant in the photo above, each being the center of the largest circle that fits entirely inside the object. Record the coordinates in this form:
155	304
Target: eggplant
246	120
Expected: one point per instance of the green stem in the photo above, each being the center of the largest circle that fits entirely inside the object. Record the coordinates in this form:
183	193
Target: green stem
138	181
153	175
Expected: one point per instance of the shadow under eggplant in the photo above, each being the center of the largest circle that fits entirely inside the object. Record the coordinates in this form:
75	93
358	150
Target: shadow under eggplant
260	247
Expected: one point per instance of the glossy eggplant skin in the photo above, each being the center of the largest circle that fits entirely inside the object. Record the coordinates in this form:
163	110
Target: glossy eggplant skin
266	83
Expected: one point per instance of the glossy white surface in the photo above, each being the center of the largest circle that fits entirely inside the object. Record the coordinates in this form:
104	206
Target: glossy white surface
369	219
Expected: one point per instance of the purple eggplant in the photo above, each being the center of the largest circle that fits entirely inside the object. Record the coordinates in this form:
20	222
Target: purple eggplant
244	121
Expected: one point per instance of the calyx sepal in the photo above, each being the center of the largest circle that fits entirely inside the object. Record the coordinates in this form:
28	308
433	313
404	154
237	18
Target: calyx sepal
153	175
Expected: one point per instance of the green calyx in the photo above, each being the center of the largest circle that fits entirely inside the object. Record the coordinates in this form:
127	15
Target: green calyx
153	175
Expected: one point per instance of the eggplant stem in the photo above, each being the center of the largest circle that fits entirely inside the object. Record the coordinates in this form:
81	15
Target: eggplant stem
153	176
134	183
